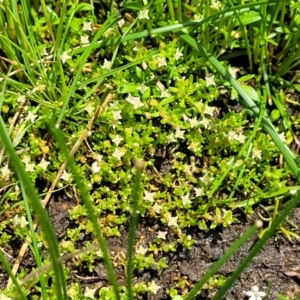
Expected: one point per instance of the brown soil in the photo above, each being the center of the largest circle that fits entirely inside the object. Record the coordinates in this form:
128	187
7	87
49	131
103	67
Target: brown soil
277	267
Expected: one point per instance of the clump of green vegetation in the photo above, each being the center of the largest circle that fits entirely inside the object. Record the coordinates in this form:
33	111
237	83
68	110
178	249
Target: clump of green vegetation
88	89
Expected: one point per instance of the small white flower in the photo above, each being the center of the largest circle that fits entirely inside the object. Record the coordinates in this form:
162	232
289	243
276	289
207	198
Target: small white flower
161	61
29	167
205	122
165	94
2	296
141	250
23	222
106	64
149	196
293	192
121	23
193	122
21	99
178	54
26	159
89	108
118	153
84	39
31	117
205	179
256	154
209	110
66	176
186	199
117	139
5	171
156	208
44	52
170	138
241	138
199	192
179	133
89	293
231	135
210	80
142	88
153	287
44	164
117	115
135	101
64	57
144	14
172	221
162	235
216	5
255	294
232	71
282	137
87	26
95	167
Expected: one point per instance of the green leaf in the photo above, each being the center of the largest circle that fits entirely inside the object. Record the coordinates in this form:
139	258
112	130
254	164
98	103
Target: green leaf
134	5
246	78
83	7
249	18
252	93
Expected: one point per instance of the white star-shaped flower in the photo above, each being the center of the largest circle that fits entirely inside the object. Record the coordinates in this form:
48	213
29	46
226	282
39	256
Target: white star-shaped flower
142	88
117	139
179	133
89	108
21	99
170	138
23	222
162	235
144	14
205	122
153	287
256	154
106	64
199	192
231	135
165	94
205	179
172	221
29	167
141	250
210	80
118	153
255	294
135	101
66	176
89	293
241	138
282	137
31	117
84	39
64	57
44	164
157	208
5	171
209	110
87	26
178	54
193	122
149	196
117	115
186	199
162	61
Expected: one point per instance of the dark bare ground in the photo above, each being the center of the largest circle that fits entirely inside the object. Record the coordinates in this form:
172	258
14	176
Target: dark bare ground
277	266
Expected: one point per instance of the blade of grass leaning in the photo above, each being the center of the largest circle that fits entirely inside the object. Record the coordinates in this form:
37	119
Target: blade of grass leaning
176	27
249	104
86	200
221	262
258	246
79	65
7	268
133	226
34	247
60	282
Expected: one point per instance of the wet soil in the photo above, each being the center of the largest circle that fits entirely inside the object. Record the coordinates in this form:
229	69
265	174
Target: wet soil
276	268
